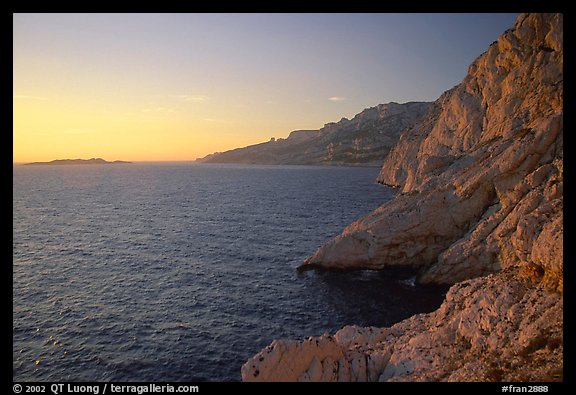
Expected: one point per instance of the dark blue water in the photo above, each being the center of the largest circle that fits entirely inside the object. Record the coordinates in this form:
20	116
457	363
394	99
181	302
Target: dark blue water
180	272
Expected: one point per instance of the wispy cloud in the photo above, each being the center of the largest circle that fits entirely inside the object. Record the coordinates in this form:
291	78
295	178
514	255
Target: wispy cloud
159	109
215	120
192	98
26	97
337	98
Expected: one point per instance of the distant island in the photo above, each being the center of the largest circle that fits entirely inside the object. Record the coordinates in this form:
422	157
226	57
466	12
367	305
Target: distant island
91	161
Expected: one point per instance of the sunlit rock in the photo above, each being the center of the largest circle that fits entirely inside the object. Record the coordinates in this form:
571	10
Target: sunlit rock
480	206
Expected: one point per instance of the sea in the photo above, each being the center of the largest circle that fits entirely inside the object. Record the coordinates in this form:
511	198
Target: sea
182	271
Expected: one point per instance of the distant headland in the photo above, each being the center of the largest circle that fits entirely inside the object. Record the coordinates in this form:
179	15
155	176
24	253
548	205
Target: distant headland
91	161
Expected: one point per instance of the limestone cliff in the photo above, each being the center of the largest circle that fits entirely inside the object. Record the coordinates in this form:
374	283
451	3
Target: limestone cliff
480	181
503	327
481	175
365	139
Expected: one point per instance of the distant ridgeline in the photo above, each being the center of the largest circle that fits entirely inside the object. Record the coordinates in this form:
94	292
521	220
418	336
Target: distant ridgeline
481	208
92	161
365	139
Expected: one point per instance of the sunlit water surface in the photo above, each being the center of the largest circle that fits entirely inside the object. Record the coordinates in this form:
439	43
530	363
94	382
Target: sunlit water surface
181	272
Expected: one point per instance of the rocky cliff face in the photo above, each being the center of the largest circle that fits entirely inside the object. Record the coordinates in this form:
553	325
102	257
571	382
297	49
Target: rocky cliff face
480	176
504	327
364	139
481	191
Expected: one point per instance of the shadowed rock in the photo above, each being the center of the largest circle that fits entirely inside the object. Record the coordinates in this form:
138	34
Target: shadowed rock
480	176
480	206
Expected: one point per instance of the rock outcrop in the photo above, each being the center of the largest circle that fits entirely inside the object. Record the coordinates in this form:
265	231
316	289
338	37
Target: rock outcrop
480	176
503	327
480	206
365	139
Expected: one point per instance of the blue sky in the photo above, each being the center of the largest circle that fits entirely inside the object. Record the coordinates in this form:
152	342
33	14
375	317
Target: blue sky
244	76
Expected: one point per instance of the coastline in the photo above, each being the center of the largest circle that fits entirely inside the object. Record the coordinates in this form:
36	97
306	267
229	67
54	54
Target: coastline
480	209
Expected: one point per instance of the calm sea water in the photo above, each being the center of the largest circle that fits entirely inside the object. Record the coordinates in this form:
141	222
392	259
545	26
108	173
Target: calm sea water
180	272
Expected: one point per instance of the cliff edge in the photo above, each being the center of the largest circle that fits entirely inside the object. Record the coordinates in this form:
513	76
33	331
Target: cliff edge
365	139
480	206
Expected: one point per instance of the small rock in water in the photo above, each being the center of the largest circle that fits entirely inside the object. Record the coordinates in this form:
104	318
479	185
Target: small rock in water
410	282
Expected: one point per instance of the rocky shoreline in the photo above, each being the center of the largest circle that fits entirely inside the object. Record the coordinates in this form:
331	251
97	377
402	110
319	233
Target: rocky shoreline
503	327
481	207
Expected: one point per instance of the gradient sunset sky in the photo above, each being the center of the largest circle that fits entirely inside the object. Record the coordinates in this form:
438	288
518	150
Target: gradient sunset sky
154	87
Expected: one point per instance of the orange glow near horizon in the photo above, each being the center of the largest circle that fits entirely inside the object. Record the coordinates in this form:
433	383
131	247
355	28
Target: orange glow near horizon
170	87
46	129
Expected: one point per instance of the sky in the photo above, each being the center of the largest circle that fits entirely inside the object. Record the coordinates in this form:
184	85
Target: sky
171	87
